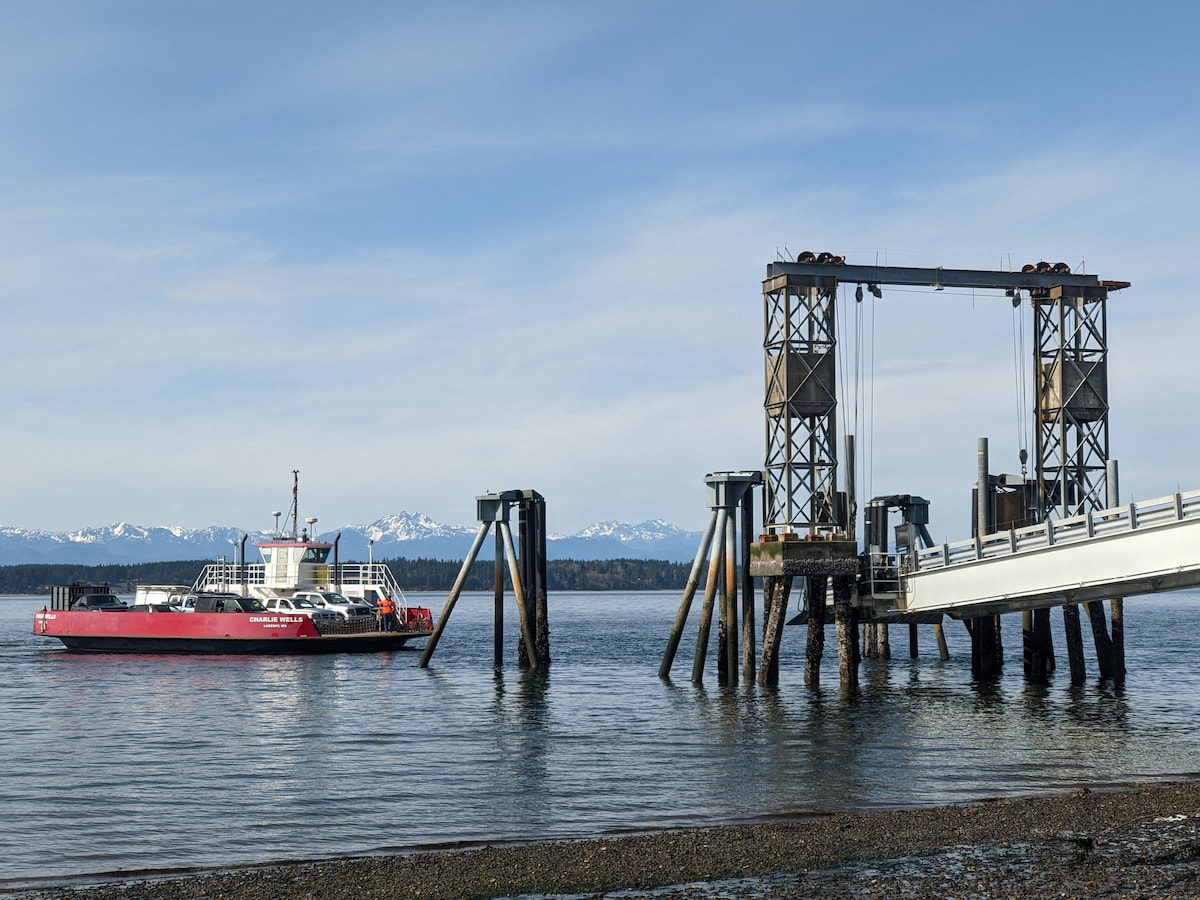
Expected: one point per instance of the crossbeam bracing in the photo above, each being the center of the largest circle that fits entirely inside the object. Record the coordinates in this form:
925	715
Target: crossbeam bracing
938	276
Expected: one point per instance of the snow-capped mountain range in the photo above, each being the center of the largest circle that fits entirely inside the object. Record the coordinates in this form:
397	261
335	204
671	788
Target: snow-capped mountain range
410	535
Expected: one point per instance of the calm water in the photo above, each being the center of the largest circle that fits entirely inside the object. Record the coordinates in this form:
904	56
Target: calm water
124	764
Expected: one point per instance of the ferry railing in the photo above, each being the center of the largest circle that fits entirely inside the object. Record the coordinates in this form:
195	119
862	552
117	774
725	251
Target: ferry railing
220	576
881	574
1158	513
377	576
348	626
229	576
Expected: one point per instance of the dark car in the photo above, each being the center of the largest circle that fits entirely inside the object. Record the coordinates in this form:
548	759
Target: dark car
99	602
230	603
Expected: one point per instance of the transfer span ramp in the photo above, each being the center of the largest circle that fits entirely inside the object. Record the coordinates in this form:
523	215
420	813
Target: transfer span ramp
1140	548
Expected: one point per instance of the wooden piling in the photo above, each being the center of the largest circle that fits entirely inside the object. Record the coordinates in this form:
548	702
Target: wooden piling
1117	612
749	662
710	594
729	617
541	625
1027	642
972	627
876	641
1043	640
1104	660
1116	605
985	661
855	643
532	521
939	634
1037	645
869	646
689	593
432	641
847	631
815	592
498	604
912	641
776	589
528	643
1031	658
722	635
1074	637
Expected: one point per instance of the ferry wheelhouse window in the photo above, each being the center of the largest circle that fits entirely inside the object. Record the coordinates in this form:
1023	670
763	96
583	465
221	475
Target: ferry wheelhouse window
315	555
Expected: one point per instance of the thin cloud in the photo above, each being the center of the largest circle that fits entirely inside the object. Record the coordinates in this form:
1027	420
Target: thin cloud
421	255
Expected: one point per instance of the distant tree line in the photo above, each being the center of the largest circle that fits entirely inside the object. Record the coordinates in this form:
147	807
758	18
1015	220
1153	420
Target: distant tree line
561	574
412	574
37	578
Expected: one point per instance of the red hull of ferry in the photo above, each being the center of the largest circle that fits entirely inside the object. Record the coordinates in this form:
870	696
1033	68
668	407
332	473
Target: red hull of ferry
167	632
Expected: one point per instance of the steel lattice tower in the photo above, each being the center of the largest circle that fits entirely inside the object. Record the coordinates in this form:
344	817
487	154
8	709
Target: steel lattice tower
801	403
1071	379
804	528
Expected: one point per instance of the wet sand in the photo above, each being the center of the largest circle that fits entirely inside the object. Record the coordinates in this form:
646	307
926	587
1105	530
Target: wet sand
1133	842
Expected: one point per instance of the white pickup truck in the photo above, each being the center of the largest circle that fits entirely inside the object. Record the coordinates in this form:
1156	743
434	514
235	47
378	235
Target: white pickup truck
348	609
301	606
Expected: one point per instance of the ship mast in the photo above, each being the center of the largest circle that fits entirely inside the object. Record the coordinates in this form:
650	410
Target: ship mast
294	513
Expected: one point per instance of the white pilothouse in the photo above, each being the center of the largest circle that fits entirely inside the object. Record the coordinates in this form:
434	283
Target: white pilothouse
296	562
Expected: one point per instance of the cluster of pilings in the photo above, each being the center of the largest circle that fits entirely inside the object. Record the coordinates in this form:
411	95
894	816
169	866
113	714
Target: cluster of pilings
821	563
819	580
826	570
728	492
1002	502
526	570
1037	643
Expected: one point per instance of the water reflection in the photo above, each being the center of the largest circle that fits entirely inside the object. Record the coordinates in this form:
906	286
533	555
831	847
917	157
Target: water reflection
523	738
401	757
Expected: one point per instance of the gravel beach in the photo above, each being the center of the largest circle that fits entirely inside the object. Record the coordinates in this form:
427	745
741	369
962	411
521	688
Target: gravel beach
1127	842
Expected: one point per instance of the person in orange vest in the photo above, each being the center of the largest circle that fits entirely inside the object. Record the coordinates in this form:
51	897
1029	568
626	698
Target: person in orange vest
387	612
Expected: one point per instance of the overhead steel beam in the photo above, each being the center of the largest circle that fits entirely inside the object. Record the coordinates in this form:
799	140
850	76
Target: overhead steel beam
939	277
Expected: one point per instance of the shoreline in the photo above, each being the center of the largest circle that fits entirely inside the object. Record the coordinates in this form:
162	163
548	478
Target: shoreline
1141	841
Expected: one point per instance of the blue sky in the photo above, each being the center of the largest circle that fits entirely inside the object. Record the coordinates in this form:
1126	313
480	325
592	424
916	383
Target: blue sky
423	251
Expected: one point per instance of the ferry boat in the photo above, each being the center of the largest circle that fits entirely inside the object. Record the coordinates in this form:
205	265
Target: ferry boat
239	608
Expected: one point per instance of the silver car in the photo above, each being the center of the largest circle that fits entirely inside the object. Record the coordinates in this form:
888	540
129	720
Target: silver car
300	606
348	609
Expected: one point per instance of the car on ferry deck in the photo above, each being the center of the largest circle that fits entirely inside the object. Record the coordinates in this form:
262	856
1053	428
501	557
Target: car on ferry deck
300	606
100	603
350	610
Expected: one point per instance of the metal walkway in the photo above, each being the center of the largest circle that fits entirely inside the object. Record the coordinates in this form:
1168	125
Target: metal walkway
1140	548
